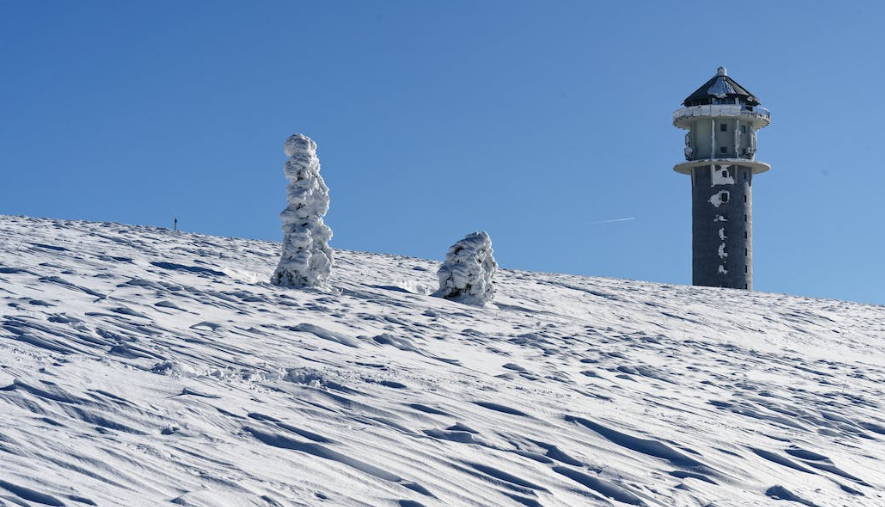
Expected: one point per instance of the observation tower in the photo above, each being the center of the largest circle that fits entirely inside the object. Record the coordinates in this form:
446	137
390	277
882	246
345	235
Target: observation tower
721	118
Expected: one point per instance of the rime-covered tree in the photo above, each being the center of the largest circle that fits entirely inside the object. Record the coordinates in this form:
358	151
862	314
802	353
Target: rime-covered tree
307	258
467	275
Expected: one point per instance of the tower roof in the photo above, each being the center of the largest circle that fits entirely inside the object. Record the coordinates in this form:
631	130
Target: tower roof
720	86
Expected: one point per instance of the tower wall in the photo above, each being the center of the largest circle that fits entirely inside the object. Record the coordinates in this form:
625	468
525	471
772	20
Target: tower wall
722	226
708	138
700	138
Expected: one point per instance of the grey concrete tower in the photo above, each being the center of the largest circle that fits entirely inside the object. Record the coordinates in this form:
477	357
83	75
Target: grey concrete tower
722	118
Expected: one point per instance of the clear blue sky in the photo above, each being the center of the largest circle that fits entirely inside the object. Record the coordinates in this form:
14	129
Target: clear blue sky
534	121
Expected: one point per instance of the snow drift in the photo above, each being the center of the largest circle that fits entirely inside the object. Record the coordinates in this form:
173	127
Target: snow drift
141	367
307	259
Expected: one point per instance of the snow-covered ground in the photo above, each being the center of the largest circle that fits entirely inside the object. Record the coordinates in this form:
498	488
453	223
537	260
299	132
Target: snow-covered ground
139	366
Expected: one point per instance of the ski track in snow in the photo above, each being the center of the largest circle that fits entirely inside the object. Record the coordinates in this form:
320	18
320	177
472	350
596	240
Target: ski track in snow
139	366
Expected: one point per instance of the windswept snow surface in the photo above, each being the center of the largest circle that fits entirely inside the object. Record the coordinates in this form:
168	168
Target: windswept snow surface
139	366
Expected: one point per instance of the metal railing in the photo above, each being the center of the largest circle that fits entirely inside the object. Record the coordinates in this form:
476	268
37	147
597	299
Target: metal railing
709	110
726	156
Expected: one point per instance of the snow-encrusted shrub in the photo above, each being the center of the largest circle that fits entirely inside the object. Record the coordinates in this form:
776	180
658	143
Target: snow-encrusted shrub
175	369
306	376
467	275
307	258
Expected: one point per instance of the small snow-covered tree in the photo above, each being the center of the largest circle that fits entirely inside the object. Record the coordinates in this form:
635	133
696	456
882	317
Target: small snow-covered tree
467	275
307	258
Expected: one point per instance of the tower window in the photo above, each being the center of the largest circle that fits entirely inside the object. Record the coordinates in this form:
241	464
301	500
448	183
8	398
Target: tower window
724	198
745	218
743	129
745	270
745	234
723	127
745	198
723	149
746	175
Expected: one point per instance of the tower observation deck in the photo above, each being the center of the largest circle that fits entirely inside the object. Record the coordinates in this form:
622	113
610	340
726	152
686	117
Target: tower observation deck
722	119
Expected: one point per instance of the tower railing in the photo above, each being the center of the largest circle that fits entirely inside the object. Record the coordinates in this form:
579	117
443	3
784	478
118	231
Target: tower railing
709	110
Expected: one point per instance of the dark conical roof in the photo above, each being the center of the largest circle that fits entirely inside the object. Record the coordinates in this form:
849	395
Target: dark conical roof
720	86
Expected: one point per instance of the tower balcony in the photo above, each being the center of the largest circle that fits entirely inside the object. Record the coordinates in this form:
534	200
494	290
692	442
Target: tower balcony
755	165
759	116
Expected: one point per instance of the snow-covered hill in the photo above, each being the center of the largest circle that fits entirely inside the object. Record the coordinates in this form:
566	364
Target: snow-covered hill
139	366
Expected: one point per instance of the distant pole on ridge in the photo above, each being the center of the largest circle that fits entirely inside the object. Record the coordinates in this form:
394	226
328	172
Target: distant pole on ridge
722	118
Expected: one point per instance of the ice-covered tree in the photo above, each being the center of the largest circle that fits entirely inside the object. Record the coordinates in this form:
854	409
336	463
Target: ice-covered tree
467	275
307	258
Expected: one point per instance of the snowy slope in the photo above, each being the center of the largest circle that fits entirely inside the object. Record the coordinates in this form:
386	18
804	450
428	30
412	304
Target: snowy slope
144	367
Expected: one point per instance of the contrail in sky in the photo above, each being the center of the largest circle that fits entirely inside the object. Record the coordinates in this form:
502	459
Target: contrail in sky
614	220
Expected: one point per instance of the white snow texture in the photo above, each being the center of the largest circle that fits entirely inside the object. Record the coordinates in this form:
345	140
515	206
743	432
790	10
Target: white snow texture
144	367
467	275
307	259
